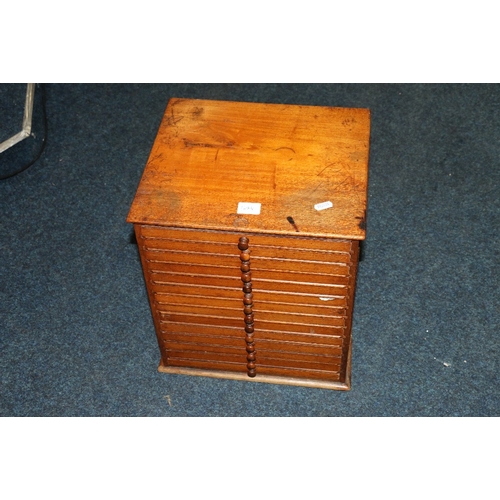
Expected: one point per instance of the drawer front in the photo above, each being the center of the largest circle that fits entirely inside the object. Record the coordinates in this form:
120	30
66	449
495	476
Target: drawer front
301	308
223	335
159	233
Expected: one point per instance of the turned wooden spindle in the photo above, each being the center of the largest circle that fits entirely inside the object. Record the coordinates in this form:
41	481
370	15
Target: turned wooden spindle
246	278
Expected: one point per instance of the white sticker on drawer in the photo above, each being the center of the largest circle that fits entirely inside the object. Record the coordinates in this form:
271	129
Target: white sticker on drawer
326	298
248	208
324	205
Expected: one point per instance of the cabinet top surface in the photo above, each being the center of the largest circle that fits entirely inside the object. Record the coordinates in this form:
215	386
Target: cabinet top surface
257	168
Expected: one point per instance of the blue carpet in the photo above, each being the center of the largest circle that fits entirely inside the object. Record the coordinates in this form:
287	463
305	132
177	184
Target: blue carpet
77	338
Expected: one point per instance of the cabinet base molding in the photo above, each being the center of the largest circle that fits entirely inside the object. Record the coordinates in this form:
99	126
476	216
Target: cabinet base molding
267	379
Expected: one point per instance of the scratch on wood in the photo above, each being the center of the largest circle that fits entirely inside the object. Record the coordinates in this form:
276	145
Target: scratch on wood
284	147
328	166
317	187
156	157
190	144
173	120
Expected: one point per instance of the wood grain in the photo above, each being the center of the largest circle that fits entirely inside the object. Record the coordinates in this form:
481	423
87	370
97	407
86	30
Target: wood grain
210	155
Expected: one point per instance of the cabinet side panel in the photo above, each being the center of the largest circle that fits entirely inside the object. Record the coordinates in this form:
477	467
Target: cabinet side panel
145	269
346	347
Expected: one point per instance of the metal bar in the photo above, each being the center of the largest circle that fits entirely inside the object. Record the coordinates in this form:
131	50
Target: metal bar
27	120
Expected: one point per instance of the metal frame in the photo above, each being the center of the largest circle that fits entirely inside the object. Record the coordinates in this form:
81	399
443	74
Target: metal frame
27	120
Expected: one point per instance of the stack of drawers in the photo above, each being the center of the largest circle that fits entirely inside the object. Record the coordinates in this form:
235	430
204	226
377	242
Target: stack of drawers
247	302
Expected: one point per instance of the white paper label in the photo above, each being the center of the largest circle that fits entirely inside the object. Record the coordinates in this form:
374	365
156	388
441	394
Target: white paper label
322	206
248	208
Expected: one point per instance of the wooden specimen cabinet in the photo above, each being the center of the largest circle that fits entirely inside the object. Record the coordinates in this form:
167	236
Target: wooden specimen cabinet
248	219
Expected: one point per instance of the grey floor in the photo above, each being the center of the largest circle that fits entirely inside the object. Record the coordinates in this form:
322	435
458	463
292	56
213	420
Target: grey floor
76	334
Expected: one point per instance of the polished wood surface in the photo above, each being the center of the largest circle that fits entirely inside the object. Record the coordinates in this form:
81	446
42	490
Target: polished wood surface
211	155
263	296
